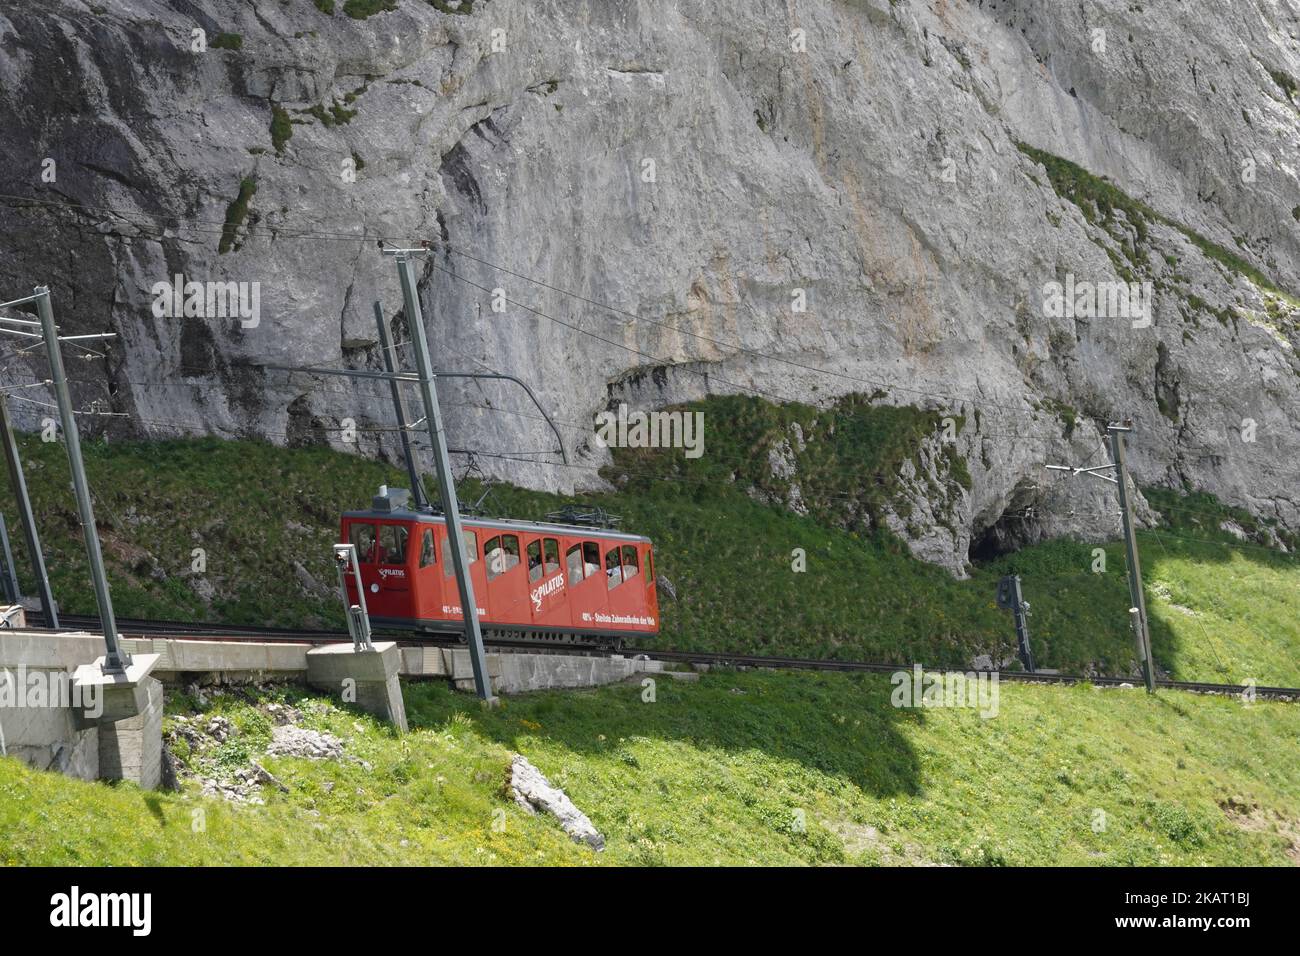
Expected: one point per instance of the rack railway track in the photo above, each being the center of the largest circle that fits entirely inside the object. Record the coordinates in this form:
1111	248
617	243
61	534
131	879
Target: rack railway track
212	632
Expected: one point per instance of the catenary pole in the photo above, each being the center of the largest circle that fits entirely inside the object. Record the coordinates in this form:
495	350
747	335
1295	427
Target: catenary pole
399	406
1137	601
446	484
19	485
1010	599
9	577
116	660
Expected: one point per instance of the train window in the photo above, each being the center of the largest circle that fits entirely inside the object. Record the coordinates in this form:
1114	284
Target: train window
552	548
649	562
427	554
392	543
629	562
613	573
534	560
502	553
363	539
471	551
590	558
573	558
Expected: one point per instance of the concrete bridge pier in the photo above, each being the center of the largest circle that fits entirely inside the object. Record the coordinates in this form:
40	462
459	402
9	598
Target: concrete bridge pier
60	711
367	677
129	719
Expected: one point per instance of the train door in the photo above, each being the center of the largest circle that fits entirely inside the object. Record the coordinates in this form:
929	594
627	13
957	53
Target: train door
507	581
585	581
394	575
547	591
623	582
382	558
449	607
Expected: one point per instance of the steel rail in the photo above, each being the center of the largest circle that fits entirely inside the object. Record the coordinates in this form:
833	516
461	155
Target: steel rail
209	631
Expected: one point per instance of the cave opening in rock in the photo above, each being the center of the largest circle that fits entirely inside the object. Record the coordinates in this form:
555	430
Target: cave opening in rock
1004	536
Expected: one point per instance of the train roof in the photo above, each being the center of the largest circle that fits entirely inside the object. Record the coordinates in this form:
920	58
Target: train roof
503	524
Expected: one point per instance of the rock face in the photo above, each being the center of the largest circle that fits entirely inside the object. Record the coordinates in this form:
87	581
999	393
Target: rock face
651	202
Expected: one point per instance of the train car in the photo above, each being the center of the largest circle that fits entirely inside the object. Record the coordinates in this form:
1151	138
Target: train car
534	579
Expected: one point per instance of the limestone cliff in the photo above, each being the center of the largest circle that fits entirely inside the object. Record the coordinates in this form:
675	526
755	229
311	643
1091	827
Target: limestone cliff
797	198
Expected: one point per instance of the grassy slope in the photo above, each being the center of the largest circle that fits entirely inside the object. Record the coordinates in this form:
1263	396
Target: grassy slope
714	773
253	508
1220	610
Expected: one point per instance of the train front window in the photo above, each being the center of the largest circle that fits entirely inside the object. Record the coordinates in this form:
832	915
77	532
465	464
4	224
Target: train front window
613	573
649	566
471	552
573	558
629	562
362	537
392	543
552	549
427	554
534	561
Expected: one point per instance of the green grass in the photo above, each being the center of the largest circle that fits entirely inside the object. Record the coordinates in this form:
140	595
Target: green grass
1287	84
1068	416
1220	610
465	8
281	128
228	41
361	9
847	470
718	773
253	508
236	213
334	115
1099	199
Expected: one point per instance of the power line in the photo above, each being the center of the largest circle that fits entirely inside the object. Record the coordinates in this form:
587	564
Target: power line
847	472
581	427
135	218
735	347
243	431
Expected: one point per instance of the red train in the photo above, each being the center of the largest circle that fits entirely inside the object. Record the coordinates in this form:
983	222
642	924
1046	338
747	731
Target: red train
536	578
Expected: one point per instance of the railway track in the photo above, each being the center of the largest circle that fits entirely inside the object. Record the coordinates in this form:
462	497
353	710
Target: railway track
140	627
205	631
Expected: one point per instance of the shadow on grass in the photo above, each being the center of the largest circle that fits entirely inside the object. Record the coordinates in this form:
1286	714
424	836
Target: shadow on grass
836	724
1079	619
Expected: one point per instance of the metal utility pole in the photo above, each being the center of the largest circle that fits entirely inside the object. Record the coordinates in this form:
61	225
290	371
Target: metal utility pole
116	660
426	379
345	560
19	485
9	577
399	406
446	484
1138	604
1010	599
